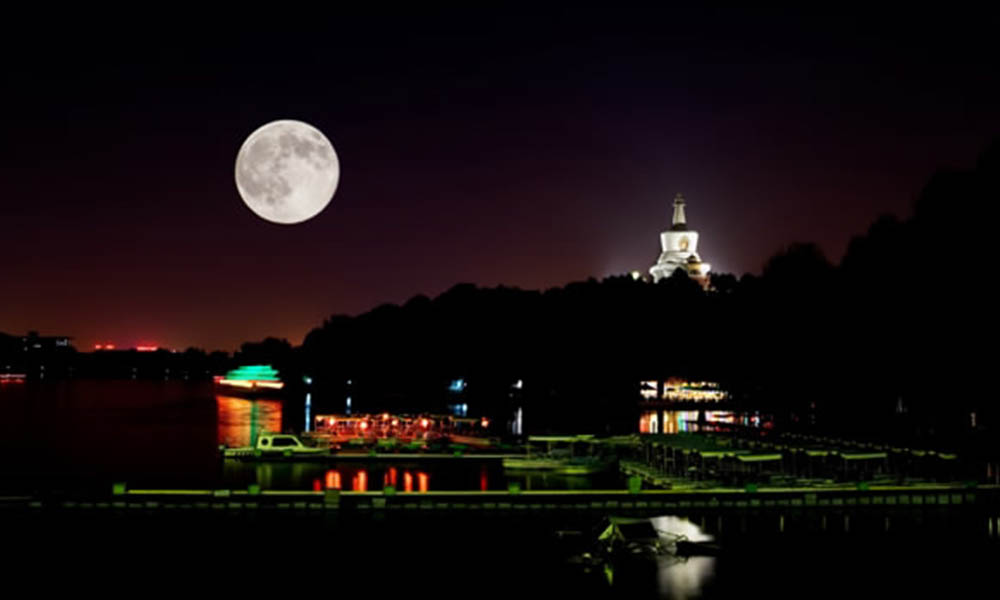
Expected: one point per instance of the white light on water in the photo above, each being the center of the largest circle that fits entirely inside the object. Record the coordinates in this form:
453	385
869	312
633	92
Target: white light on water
681	526
308	411
687	579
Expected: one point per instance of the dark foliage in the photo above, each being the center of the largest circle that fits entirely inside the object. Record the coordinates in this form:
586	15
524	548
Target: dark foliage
891	326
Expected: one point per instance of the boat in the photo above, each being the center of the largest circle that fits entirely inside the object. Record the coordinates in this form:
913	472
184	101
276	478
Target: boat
560	455
250	381
277	445
632	546
387	432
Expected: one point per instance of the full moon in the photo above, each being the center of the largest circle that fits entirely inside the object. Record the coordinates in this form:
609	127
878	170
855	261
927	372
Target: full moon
287	172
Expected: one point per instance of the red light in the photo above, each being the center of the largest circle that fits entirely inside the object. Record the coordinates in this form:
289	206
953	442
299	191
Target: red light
317	485
423	480
98	347
333	479
147	348
360	481
391	475
407	482
109	346
424	423
385	416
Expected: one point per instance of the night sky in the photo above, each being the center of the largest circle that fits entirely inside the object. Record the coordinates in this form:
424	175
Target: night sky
526	149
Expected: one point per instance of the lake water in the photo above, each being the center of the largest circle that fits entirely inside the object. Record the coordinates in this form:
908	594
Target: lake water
87	434
80	436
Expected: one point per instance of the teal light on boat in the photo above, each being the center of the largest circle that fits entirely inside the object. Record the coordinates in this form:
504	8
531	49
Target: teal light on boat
253	373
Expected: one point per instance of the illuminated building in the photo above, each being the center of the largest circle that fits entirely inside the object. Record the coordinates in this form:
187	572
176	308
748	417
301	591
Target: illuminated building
675	393
675	389
679	248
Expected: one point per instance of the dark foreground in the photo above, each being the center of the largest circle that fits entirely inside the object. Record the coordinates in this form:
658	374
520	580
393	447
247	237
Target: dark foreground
798	554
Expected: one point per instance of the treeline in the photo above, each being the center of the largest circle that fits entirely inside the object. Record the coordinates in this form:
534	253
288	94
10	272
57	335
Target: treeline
898	331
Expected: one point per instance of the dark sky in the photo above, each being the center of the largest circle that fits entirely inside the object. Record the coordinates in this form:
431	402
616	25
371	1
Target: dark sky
527	149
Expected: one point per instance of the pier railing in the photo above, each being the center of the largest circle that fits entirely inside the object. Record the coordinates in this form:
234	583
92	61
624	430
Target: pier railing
639	502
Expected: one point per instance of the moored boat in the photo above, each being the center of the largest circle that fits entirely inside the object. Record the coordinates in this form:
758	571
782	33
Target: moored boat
251	381
277	445
559	455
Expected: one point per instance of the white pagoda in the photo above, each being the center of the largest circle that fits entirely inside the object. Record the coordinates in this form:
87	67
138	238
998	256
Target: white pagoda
679	249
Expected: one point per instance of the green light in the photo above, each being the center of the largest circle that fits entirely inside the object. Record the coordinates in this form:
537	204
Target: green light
863	456
254	373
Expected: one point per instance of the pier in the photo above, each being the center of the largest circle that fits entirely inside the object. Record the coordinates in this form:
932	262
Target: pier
640	502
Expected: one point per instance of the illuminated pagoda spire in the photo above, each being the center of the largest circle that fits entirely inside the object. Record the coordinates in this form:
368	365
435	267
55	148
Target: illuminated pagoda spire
679	249
679	221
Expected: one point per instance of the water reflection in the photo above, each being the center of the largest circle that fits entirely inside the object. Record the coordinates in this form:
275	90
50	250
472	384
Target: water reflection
687	578
240	420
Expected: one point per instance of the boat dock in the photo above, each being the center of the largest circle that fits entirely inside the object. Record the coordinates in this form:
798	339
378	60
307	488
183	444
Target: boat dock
639	502
401	457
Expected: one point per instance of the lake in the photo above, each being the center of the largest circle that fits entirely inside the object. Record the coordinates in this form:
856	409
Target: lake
77	437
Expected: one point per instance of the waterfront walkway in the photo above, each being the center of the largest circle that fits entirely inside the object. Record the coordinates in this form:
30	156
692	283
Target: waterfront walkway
874	498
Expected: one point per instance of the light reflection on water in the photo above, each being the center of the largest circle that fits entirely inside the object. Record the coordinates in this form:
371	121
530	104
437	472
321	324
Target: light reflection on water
359	480
406	475
241	420
357	477
687	578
